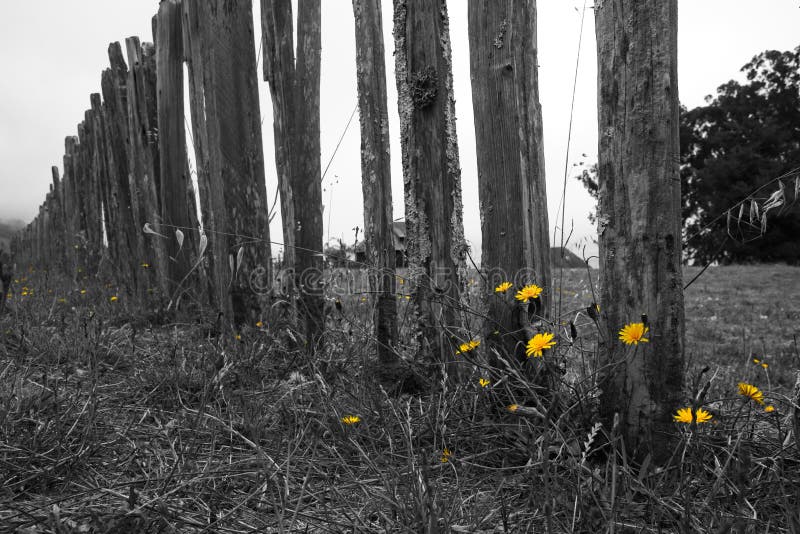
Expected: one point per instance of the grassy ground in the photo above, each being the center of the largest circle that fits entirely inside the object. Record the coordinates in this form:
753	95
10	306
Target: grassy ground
116	421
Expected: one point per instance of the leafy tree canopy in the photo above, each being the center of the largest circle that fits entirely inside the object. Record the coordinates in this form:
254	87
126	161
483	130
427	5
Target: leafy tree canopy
742	140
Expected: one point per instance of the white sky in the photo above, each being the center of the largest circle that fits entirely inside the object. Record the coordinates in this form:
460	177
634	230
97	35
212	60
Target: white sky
53	51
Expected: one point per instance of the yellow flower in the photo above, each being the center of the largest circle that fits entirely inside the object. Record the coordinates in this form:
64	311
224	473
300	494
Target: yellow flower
83	291
408	297
513	407
751	392
259	324
502	288
528	292
469	346
633	333
446	454
351	419
538	343
764	365
238	337
756	360
145	266
114	298
685	415
62	300
483	382
769	409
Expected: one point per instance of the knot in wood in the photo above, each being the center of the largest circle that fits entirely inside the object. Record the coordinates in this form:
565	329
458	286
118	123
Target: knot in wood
424	86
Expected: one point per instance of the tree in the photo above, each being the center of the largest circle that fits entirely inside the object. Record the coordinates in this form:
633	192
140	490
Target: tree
639	219
511	176
431	173
743	138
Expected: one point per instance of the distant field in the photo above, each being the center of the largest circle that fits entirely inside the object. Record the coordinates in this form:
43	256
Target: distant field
733	314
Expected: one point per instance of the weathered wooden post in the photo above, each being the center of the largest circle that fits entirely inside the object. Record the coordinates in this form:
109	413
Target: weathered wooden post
278	45
435	235
295	89
639	218
129	239
178	207
59	251
233	195
511	175
376	178
143	155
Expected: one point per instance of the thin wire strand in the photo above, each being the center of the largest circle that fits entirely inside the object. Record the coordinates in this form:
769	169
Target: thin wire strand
563	202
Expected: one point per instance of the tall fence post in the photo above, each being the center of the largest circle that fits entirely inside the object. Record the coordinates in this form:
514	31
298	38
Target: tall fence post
233	193
432	176
178	206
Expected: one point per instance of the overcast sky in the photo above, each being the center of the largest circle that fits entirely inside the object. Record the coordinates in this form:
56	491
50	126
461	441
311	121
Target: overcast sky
53	51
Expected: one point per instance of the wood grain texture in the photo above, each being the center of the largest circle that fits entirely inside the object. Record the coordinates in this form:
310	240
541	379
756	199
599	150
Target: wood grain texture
143	161
639	218
233	191
128	239
511	174
436	248
295	90
376	176
178	208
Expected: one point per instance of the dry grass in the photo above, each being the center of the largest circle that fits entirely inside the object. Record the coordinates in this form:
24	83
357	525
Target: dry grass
111	424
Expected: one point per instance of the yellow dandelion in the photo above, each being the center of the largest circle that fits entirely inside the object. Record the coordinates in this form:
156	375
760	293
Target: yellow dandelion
502	288
685	415
446	455
764	365
469	346
24	293
633	333
538	343
751	392
408	297
513	407
238	337
528	292
483	382
145	265
756	360
114	298
769	409
351	419
83	291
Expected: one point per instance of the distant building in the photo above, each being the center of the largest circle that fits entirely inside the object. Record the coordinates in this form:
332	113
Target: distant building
399	237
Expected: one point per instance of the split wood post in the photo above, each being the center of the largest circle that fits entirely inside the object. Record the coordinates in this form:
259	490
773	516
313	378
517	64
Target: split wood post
639	219
58	224
511	173
72	241
178	206
435	234
129	239
295	89
143	158
224	89
93	201
102	180
376	178
278	45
